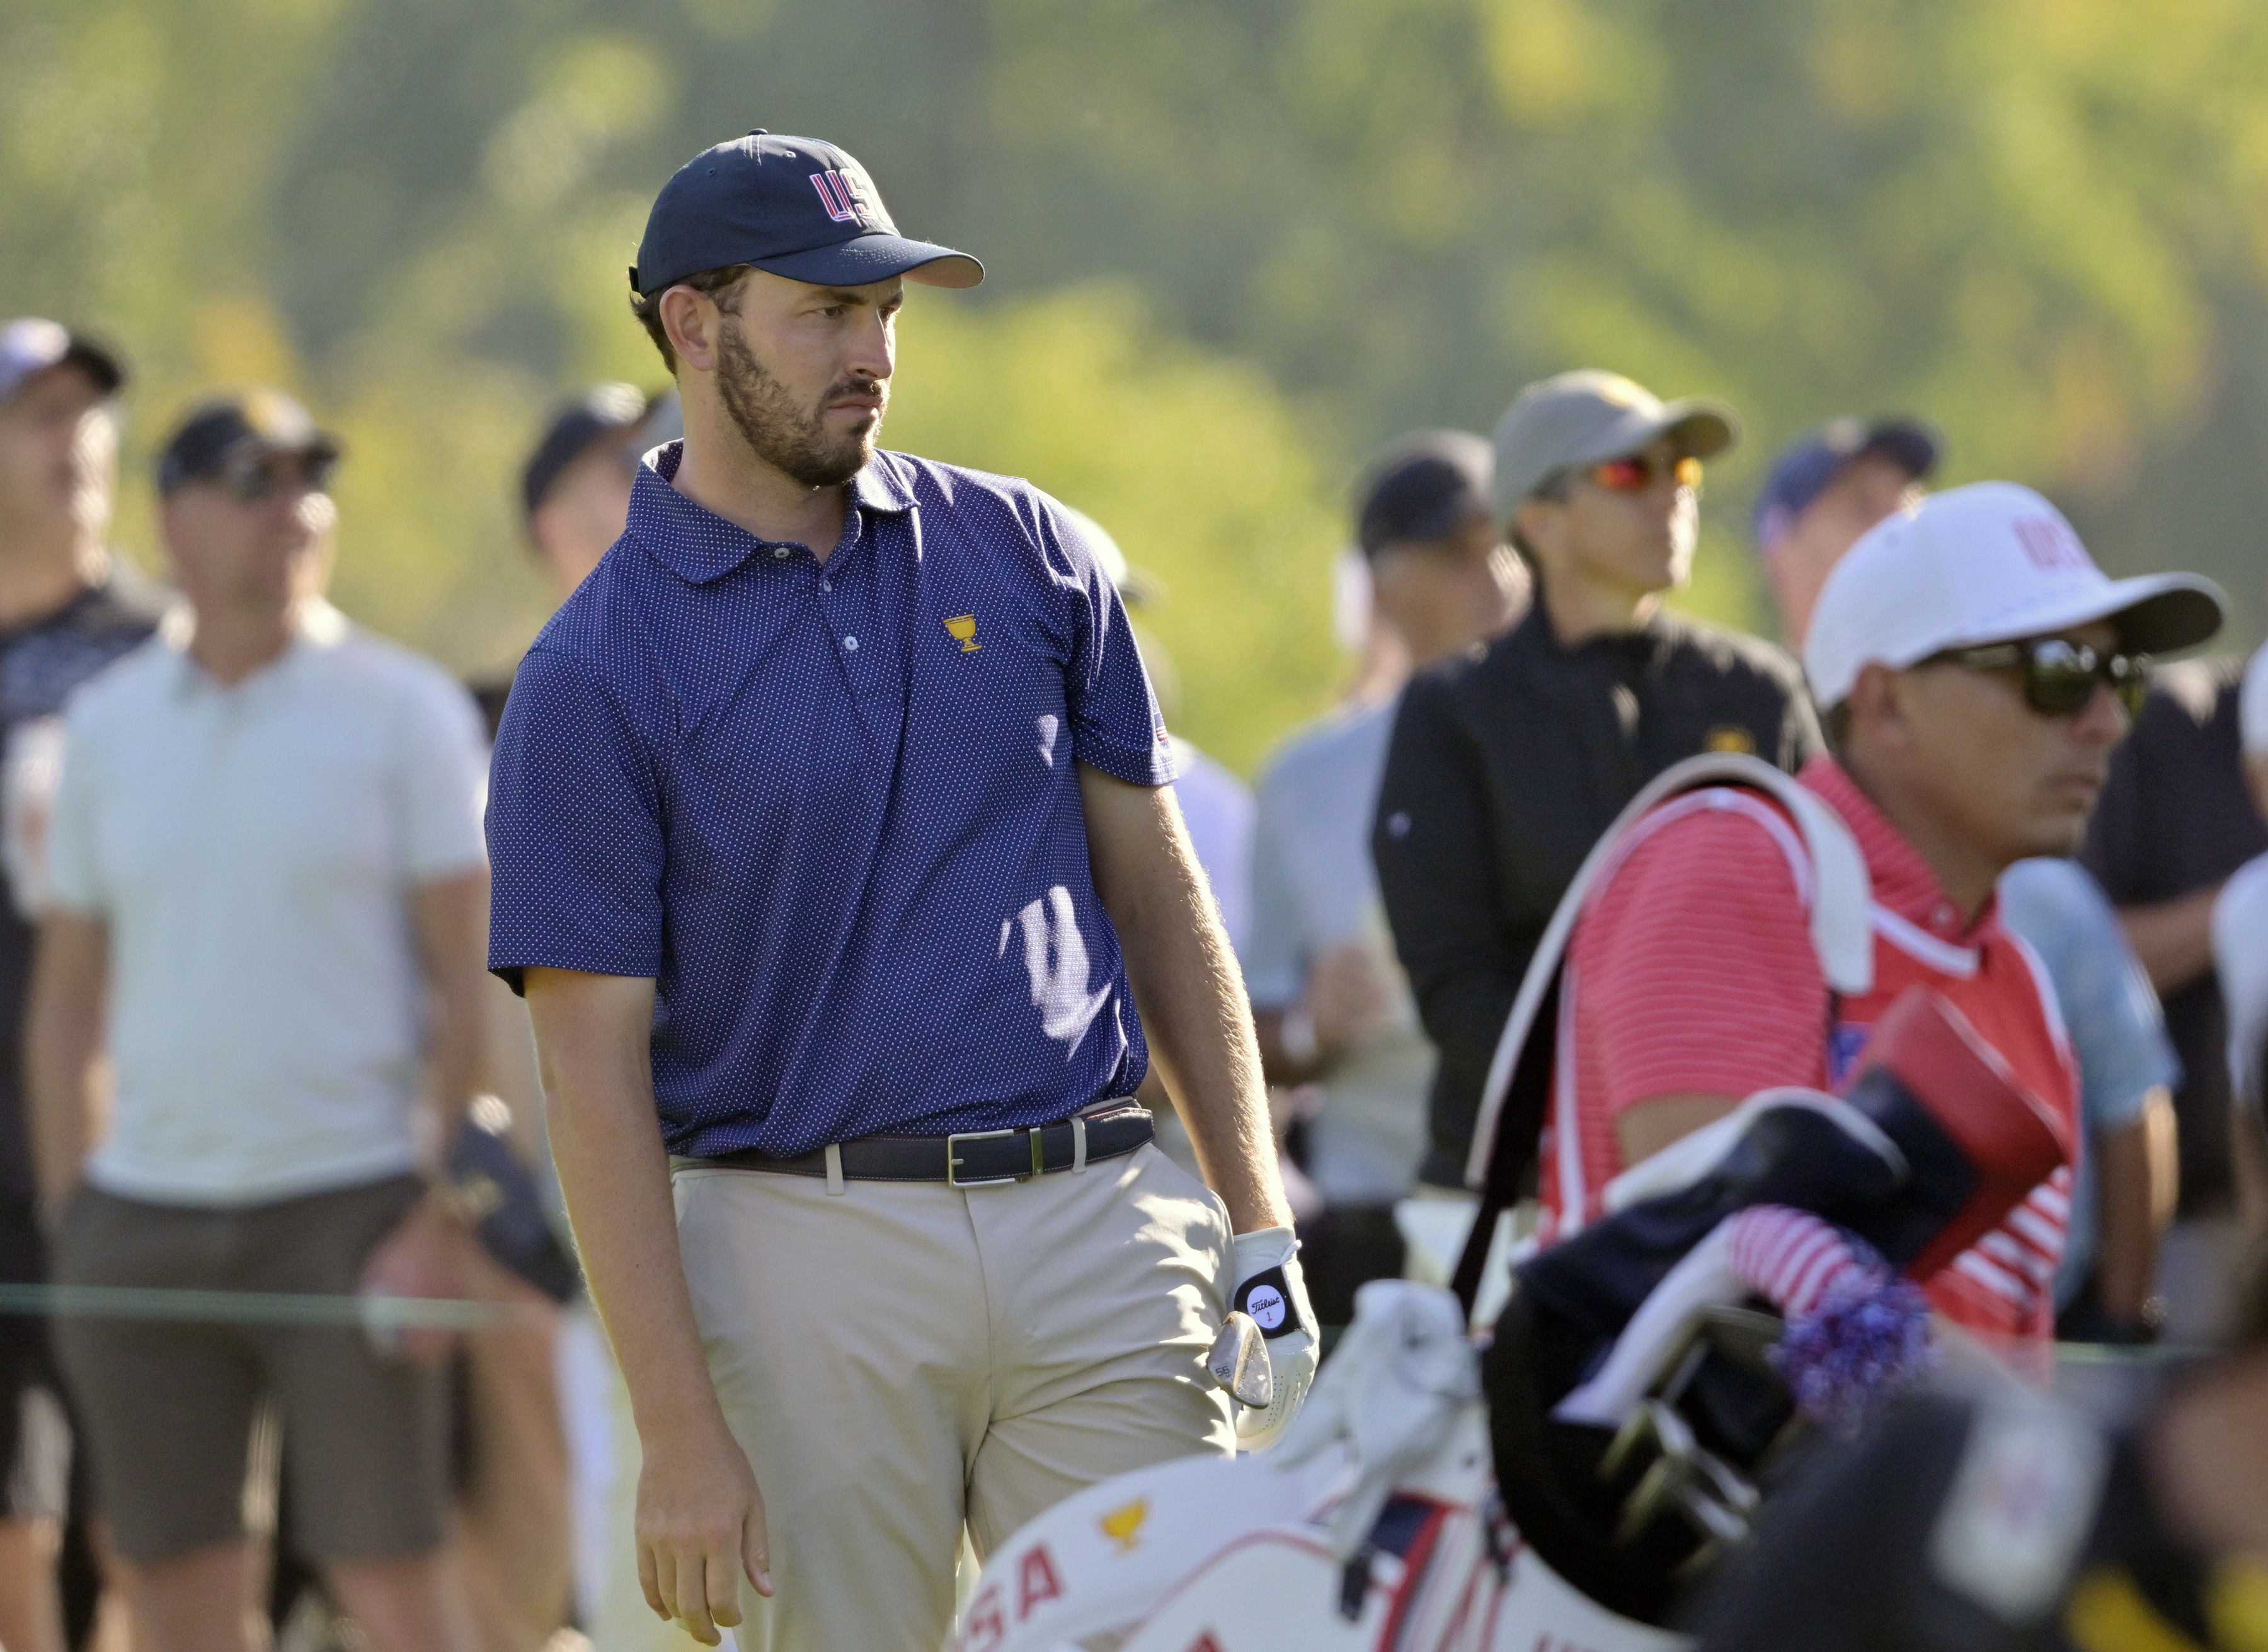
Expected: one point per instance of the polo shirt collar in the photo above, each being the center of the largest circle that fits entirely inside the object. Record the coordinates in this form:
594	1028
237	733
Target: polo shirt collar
1903	882
319	629
697	545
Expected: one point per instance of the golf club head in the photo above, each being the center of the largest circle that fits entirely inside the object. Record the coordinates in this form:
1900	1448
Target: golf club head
1239	1361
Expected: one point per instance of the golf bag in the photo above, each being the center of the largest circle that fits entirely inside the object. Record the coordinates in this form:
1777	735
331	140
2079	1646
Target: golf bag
1646	1382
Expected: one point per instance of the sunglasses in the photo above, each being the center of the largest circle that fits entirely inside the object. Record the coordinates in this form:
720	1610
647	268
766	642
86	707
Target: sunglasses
254	476
1635	473
2060	677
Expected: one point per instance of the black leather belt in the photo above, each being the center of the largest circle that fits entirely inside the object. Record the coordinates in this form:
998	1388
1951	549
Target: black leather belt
970	1158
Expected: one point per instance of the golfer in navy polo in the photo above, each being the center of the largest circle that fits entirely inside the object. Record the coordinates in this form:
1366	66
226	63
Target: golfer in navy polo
834	852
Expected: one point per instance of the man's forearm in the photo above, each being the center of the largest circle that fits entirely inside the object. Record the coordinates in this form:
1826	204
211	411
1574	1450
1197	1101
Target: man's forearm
1188	991
448	923
2134	1179
616	1178
455	1055
62	1055
62	1041
615	1174
1203	1045
2173	939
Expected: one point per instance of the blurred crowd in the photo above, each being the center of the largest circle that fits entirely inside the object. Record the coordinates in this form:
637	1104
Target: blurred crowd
248	1043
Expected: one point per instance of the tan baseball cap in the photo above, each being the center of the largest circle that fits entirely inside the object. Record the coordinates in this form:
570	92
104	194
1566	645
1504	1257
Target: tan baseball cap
1581	418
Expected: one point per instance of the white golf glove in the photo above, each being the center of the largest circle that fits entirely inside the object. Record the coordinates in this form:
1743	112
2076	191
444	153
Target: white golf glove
1270	1288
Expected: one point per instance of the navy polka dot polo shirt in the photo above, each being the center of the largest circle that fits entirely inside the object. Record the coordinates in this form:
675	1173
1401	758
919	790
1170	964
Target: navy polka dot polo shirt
833	810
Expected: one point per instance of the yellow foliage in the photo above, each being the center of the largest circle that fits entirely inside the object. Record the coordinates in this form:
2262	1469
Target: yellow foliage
1198	466
239	341
1544	59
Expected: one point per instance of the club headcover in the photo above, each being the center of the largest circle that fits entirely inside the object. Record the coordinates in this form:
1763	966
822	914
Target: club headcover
1976	1141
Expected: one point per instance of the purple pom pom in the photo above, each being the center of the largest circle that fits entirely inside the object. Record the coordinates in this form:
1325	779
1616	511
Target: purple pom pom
1860	1344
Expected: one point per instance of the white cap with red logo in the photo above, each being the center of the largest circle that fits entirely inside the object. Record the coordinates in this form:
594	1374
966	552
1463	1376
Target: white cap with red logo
1992	562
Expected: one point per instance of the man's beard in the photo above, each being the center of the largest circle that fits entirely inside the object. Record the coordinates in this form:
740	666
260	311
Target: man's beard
785	437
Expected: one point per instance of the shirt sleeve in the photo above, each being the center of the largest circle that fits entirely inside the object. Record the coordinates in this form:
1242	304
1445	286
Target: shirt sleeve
1116	725
441	782
2118	1032
75	880
1274	956
574	829
1436	856
1694	968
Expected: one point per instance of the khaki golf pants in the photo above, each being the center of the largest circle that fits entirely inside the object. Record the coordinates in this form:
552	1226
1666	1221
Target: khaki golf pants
900	1359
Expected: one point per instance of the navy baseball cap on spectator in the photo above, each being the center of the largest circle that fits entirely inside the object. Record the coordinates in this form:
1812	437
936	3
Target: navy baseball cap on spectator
215	431
1424	488
31	344
604	411
793	206
1803	471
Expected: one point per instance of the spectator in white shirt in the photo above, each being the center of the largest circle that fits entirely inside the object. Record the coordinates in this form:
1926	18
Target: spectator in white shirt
266	867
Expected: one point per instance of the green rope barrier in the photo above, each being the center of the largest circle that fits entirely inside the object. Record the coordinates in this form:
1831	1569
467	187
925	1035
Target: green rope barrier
262	1308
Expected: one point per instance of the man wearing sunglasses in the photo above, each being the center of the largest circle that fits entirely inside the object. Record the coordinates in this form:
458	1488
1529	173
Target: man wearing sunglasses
1825	491
1976	669
1508	762
265	883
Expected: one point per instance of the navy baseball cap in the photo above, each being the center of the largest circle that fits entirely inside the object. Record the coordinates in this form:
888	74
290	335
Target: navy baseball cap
31	344
601	411
1801	473
215	432
1425	487
793	206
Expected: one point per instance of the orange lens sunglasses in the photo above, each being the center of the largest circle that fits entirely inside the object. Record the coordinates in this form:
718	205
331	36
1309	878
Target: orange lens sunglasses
1634	473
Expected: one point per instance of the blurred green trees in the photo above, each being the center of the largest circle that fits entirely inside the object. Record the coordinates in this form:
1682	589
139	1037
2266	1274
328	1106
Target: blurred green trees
1234	245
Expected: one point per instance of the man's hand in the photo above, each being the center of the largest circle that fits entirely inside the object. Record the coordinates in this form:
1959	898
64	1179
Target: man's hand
1270	1287
429	1253
700	1530
1348	997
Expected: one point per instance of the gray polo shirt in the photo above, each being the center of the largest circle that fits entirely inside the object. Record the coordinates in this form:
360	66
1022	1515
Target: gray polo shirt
1312	888
252	848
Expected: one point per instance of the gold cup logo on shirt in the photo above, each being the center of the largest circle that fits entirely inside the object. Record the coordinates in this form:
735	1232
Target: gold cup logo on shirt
962	629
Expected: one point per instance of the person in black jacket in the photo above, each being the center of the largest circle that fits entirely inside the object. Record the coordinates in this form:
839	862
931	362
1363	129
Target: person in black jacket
1508	762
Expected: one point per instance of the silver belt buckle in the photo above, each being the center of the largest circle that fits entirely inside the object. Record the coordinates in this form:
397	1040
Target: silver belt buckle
953	1157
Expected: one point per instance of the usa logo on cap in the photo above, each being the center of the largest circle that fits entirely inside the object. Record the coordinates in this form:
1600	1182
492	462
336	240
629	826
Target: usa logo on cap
845	201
